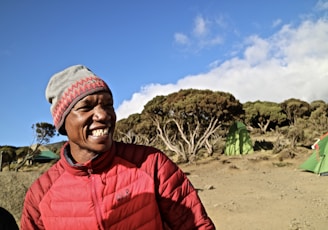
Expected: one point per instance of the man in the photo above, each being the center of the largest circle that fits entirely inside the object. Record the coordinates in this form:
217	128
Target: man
102	184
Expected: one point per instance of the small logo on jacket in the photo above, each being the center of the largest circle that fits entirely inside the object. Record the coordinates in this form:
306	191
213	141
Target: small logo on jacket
123	196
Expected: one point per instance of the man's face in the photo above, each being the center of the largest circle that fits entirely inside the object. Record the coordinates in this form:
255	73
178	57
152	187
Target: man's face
91	122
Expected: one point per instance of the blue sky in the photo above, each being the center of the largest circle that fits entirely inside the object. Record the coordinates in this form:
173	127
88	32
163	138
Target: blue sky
257	50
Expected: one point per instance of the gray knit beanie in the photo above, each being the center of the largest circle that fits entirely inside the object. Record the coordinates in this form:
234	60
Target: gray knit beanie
69	86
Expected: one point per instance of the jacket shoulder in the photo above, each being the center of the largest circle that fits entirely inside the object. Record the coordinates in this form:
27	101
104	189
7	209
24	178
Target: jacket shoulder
42	184
137	154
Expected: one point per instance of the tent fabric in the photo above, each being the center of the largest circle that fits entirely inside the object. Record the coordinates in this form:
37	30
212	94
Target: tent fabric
238	140
46	155
318	162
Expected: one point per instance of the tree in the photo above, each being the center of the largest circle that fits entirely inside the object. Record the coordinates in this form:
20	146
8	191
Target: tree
7	156
318	120
43	133
295	108
263	114
135	129
295	134
186	120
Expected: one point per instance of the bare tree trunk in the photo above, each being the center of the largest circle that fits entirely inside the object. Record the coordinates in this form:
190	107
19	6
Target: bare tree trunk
18	166
1	161
264	127
163	134
191	139
210	142
27	157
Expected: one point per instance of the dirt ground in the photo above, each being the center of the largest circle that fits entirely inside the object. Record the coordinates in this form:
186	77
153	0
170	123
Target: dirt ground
261	191
257	191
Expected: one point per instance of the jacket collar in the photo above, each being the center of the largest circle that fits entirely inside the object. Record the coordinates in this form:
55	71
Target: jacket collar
96	165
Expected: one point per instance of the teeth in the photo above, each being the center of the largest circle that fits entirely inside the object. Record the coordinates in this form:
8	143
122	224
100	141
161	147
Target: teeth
100	132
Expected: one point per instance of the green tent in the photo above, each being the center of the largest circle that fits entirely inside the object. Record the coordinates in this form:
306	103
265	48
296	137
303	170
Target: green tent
238	140
318	162
45	156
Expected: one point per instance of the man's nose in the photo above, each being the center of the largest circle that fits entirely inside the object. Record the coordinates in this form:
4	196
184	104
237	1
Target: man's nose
100	114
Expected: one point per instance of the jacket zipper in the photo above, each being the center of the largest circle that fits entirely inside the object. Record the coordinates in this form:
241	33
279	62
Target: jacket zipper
95	199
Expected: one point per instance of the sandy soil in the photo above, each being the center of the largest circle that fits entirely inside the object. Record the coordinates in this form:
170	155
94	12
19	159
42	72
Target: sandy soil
261	191
258	191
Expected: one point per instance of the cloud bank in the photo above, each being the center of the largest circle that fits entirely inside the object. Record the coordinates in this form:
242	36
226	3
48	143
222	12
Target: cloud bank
292	63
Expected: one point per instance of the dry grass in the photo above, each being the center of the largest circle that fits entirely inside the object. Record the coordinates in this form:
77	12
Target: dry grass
14	186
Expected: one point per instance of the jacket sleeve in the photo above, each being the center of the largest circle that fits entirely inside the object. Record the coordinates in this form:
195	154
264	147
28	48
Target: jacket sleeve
179	203
31	218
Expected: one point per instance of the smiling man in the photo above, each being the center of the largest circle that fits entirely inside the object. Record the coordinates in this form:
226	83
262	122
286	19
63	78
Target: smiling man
102	184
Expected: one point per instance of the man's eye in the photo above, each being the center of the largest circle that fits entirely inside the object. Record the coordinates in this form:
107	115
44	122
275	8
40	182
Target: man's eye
84	107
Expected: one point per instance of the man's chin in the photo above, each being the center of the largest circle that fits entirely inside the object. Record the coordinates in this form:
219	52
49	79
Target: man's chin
101	147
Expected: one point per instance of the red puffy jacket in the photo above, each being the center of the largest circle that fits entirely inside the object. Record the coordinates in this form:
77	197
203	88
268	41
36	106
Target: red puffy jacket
130	187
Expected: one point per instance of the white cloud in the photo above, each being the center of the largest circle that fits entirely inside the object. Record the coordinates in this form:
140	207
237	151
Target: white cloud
277	22
205	33
139	99
322	5
257	51
292	63
210	42
181	38
200	28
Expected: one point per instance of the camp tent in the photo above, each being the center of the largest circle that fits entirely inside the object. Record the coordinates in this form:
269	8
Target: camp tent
318	162
45	156
238	140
